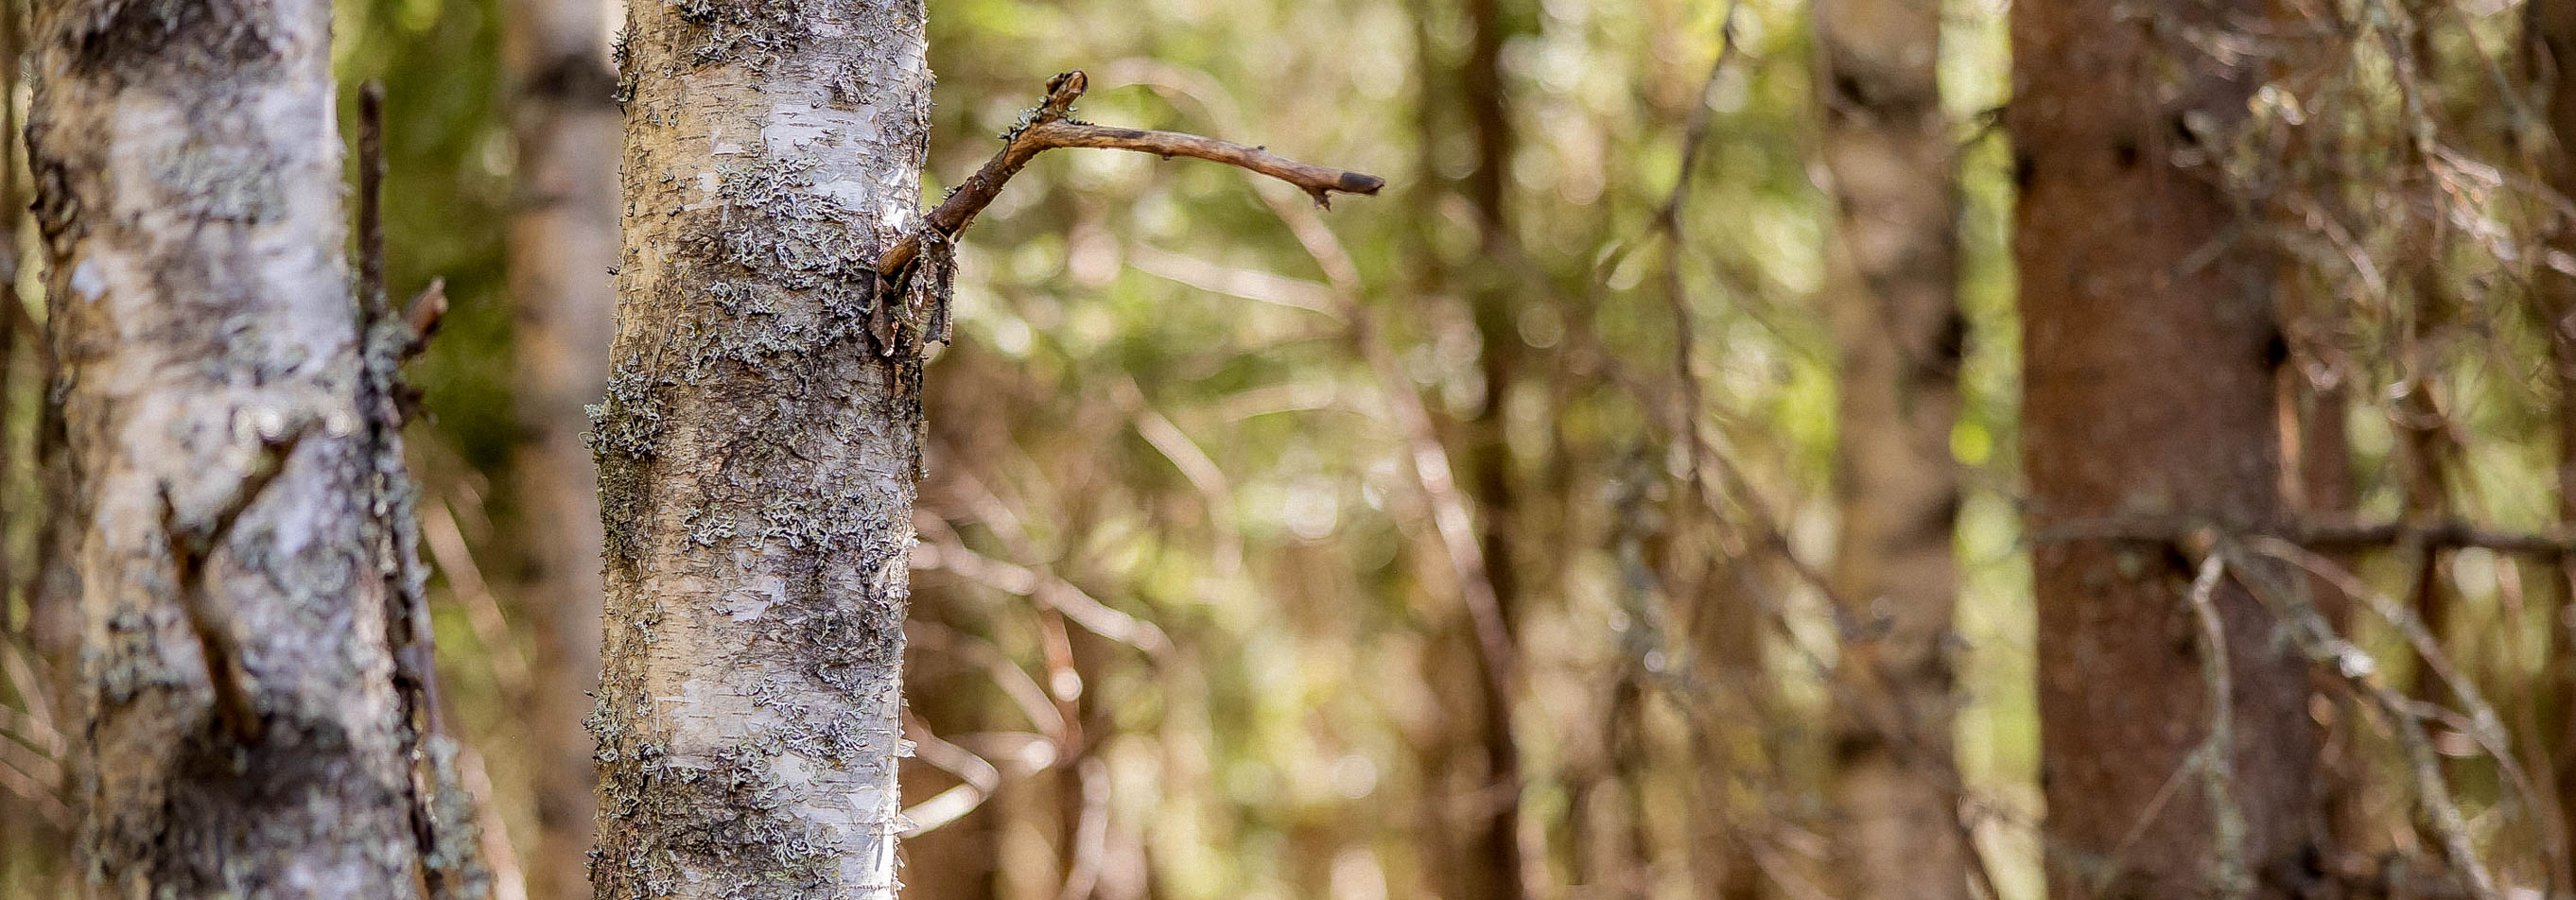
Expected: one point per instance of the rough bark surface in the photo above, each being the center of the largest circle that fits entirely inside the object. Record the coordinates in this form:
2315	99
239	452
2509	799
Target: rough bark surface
563	234
757	452
1896	325
2149	349
244	566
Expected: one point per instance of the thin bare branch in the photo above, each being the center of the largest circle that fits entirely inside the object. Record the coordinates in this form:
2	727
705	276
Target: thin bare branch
977	779
1050	126
2437	534
423	315
2218	749
1091	831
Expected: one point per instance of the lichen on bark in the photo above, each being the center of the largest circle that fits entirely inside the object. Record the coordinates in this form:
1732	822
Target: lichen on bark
243	555
755	452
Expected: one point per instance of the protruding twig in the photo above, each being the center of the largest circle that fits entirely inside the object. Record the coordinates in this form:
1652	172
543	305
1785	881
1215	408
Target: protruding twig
190	544
426	310
977	779
1050	126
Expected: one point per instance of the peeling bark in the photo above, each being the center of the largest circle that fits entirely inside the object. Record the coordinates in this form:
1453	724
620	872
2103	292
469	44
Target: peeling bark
242	554
2149	355
563	237
757	451
1896	323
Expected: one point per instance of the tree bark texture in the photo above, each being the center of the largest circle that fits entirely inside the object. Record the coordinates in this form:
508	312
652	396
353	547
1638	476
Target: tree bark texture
757	452
2149	350
1899	335
253	671
563	240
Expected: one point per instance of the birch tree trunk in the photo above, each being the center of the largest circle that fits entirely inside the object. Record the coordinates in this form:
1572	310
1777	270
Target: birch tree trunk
2149	352
757	453
1895	316
563	240
252	672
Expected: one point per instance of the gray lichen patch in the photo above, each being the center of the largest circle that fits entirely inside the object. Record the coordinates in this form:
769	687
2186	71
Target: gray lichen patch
753	451
720	826
127	39
749	33
222	182
190	182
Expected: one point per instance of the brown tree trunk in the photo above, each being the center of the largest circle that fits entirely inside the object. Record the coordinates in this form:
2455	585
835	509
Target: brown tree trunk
1479	770
757	453
2322	487
563	240
2553	43
2149	349
1727	628
1897	327
254	673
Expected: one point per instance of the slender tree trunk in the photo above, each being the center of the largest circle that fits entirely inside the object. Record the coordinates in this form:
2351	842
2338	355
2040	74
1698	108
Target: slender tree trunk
2553	43
252	673
1495	843
1896	323
2149	348
563	237
757	454
1481	854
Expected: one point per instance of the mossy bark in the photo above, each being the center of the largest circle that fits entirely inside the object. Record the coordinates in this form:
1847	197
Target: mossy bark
563	241
244	569
1898	337
757	452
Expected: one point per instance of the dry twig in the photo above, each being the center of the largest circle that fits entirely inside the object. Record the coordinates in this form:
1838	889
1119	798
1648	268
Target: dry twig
1051	125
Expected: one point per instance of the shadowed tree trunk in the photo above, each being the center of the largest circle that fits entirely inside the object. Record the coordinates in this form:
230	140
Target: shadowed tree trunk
1896	324
1477	763
1495	842
2552	41
563	237
2149	348
757	454
254	664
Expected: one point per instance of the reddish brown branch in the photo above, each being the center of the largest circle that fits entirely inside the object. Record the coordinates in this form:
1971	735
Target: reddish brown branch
1047	127
423	315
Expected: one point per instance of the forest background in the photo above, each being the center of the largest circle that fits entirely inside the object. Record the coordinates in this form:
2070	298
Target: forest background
1186	622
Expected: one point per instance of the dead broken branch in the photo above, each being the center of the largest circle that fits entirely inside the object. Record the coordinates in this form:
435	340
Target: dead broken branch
191	542
1050	126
